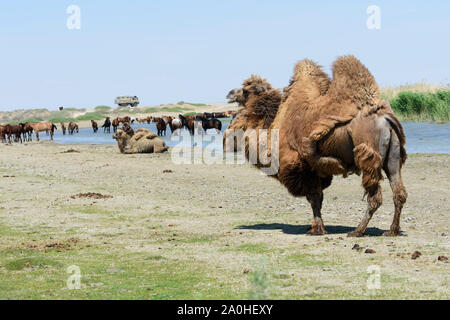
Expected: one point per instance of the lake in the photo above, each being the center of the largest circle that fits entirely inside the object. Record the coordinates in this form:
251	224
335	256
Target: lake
421	137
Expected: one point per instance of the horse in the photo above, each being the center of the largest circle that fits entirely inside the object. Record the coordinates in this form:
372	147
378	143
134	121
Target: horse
124	119
107	125
72	127
115	124
27	132
161	126
199	126
2	133
94	126
43	126
188	123
212	123
63	128
175	125
128	129
15	130
220	115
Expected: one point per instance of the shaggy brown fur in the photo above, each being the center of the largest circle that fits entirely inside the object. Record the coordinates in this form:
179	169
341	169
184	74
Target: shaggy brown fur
260	104
143	141
330	127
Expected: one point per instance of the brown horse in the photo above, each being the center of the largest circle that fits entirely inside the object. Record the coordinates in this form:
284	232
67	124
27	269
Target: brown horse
72	127
161	126
63	128
2	133
141	120
210	123
124	119
115	124
94	126
27	132
15	130
43	126
188	122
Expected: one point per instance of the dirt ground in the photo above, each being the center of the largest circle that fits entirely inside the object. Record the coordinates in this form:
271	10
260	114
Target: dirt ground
143	227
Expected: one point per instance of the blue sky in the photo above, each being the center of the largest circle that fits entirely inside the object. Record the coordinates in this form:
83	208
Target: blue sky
196	51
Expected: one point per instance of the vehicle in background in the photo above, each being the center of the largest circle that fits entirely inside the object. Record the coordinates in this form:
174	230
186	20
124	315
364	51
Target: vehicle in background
124	101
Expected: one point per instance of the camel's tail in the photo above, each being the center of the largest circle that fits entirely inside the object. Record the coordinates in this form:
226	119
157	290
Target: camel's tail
398	129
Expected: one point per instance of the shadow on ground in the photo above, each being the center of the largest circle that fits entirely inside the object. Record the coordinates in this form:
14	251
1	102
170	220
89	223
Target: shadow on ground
303	229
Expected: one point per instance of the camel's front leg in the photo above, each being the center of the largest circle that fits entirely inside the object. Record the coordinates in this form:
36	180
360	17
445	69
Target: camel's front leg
316	199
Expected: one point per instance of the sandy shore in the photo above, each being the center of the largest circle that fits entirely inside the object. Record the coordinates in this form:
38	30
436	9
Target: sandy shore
207	231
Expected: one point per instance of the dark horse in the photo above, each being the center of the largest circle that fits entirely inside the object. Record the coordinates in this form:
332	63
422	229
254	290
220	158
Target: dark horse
161	126
15	130
188	123
212	123
107	125
94	126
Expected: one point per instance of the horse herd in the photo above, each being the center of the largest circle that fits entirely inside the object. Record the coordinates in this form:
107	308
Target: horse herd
23	132
200	122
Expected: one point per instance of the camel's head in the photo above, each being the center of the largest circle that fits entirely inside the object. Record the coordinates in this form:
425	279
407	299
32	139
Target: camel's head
236	96
122	139
253	86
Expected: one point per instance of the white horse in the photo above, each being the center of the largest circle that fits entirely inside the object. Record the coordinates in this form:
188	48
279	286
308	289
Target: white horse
176	126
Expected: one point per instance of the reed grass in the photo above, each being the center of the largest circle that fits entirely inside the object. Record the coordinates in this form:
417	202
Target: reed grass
419	102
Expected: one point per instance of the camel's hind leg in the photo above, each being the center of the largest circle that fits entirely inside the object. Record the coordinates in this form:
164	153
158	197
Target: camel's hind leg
392	167
369	161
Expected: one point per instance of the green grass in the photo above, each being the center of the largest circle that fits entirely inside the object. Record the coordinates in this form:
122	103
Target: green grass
107	272
192	104
422	106
59	120
91	116
174	109
102	108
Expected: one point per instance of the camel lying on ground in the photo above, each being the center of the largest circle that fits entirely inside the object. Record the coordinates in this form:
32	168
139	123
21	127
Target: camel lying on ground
143	141
327	127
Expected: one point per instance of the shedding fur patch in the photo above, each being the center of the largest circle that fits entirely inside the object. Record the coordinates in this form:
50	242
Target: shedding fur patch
370	162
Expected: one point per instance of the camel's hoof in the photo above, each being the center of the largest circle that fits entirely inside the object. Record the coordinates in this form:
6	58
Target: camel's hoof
317	231
391	233
355	234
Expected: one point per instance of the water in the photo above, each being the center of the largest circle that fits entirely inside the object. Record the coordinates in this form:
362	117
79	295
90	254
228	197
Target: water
421	137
